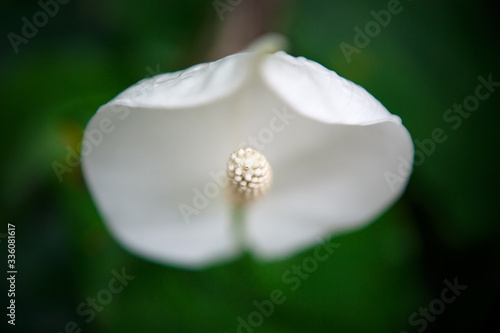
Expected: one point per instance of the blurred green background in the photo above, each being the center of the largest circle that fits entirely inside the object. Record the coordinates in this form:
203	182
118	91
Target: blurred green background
444	227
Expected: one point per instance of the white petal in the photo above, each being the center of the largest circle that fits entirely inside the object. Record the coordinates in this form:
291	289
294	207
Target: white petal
333	181
195	86
201	84
156	145
159	144
330	163
320	93
171	131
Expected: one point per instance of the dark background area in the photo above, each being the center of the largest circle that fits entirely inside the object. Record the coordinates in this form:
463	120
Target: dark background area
445	227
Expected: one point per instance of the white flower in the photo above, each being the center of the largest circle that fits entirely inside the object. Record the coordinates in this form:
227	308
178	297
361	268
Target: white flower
156	174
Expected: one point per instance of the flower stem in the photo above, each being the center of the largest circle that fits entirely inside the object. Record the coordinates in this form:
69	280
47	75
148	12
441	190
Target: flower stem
238	222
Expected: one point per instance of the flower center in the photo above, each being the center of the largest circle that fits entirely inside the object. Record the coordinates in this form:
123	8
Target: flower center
250	175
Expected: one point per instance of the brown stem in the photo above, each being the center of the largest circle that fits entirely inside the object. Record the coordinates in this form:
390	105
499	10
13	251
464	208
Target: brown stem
248	20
